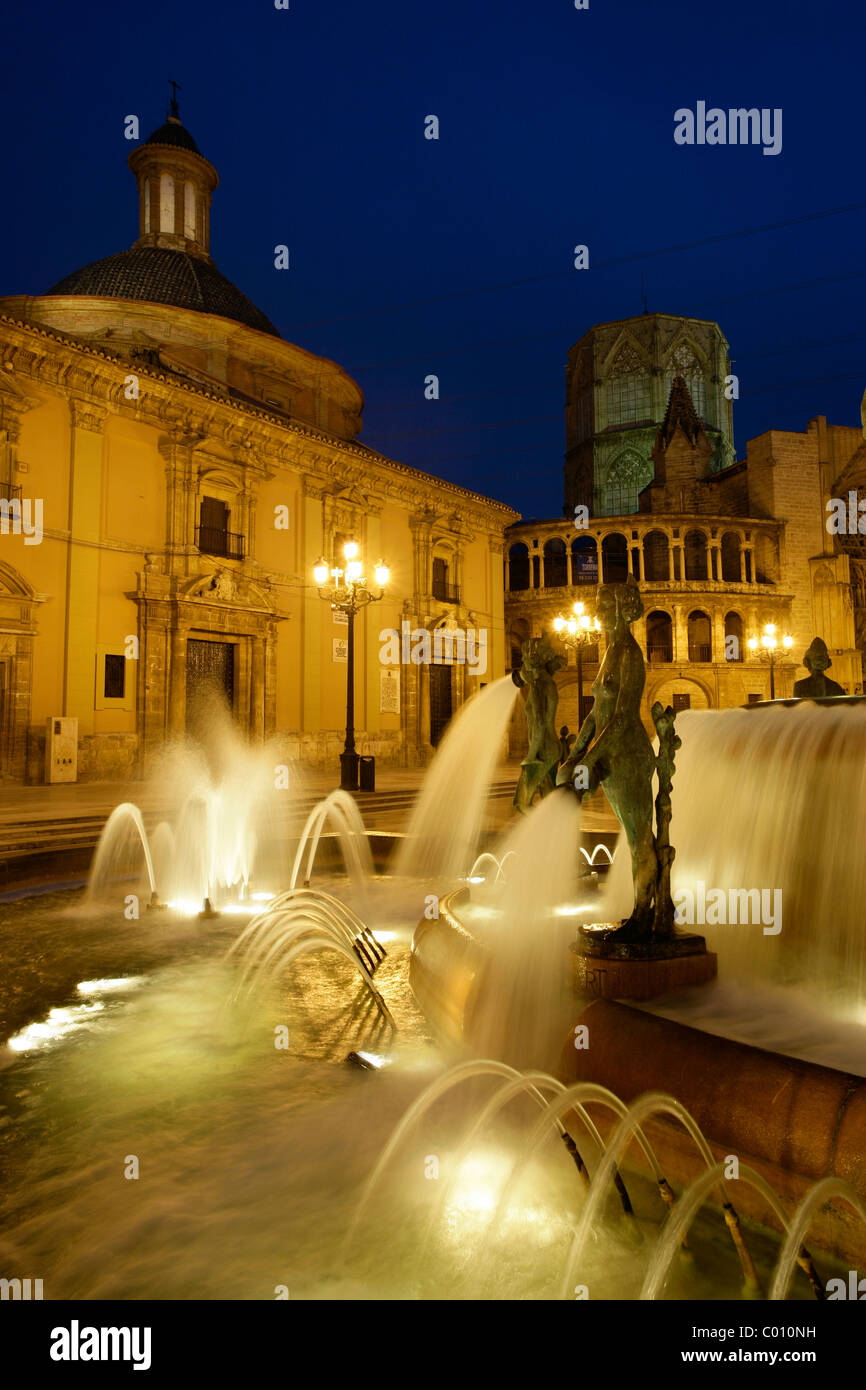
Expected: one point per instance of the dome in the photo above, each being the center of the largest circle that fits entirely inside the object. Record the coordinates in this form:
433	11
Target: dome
158	275
173	133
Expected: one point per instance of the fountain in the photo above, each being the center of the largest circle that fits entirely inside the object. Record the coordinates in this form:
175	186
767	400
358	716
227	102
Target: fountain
582	1146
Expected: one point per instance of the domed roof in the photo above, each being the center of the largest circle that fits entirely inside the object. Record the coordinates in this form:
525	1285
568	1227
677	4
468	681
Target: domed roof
173	133
158	275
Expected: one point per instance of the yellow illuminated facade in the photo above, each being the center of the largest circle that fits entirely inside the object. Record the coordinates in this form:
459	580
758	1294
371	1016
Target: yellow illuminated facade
171	471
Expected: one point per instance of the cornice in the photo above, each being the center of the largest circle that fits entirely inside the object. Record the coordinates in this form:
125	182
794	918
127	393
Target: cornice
87	415
410	486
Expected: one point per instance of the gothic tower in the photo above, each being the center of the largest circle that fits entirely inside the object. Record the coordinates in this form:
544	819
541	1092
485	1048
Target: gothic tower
619	378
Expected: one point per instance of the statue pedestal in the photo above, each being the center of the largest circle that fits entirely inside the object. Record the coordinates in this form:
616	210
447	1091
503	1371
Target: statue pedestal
606	969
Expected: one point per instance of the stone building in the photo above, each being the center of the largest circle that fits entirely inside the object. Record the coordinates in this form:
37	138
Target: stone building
187	468
617	383
718	553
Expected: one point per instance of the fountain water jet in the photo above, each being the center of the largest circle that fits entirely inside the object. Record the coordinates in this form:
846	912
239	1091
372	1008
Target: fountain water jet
267	932
677	1225
340	808
115	832
792	1250
457	1076
445	825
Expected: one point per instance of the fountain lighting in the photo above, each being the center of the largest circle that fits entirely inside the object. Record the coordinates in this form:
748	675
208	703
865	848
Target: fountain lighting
369	1061
106	986
58	1024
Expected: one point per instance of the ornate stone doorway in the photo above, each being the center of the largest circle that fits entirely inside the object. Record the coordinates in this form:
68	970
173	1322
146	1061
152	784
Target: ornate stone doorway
210	675
441	702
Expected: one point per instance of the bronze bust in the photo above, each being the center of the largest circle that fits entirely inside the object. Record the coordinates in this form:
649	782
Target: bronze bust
817	685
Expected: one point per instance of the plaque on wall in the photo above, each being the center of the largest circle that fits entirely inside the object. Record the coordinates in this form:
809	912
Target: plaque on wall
389	692
340	649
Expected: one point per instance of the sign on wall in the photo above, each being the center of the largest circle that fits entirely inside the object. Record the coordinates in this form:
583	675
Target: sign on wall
340	649
389	692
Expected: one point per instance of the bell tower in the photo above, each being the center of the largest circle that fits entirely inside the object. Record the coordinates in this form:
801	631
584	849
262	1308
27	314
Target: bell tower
175	186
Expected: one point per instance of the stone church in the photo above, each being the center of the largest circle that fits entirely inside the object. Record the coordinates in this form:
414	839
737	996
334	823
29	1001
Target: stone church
720	548
171	470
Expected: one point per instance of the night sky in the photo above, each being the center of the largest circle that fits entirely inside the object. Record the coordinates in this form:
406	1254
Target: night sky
454	257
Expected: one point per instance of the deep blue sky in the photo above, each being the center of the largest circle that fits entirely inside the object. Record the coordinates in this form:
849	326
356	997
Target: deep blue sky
556	128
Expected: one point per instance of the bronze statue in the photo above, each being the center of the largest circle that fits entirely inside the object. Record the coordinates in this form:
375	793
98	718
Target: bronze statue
817	685
566	741
539	664
613	749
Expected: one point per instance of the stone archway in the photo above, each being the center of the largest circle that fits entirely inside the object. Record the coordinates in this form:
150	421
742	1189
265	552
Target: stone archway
698	692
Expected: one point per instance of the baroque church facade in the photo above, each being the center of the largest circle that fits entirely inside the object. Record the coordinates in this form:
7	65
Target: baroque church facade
189	467
719	548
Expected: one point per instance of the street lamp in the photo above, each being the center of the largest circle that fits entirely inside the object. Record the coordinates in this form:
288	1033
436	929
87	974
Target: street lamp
765	649
576	631
348	593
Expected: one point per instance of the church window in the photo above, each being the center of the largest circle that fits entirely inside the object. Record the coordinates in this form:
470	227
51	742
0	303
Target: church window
147	205
627	389
684	361
166	203
189	211
624	481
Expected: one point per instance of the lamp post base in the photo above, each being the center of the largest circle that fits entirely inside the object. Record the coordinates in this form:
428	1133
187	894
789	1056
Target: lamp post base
349	763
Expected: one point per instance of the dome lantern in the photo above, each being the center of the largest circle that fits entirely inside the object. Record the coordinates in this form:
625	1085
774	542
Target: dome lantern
175	186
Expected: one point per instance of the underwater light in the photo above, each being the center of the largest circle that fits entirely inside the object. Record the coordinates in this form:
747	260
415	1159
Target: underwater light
60	1022
368	1061
103	986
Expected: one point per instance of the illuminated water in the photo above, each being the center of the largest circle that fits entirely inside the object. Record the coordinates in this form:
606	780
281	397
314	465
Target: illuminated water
774	799
179	1119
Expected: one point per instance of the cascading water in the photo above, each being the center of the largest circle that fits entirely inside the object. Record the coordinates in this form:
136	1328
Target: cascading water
524	1008
773	799
445	826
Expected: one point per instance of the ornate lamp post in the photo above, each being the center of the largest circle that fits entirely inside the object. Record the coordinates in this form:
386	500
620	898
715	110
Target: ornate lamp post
348	593
576	631
765	649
